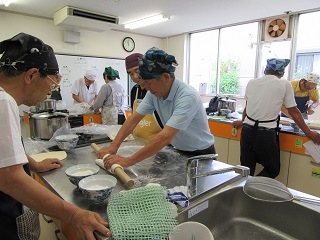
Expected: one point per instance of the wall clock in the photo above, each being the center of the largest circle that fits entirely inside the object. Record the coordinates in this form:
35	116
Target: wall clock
128	44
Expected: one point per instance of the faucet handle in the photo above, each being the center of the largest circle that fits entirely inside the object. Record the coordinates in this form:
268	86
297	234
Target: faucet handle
243	170
204	157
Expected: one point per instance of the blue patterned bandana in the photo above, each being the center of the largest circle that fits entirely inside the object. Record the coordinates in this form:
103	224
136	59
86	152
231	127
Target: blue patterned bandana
278	65
155	62
32	53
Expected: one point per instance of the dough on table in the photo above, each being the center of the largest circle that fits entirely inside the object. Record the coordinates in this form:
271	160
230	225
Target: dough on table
41	156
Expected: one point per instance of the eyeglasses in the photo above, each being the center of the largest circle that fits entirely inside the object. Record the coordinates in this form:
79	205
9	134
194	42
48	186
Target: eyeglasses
55	84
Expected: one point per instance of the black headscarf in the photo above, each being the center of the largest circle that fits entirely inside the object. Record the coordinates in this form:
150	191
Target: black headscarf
33	53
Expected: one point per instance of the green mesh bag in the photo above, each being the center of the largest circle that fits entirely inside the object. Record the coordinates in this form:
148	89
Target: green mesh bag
141	213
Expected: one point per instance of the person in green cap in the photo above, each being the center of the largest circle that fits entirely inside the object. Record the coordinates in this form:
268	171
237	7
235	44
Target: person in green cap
110	98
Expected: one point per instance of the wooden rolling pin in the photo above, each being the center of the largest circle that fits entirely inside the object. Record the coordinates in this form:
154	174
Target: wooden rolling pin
118	171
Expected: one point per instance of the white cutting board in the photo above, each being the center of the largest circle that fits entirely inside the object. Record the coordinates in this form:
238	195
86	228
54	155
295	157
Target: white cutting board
61	155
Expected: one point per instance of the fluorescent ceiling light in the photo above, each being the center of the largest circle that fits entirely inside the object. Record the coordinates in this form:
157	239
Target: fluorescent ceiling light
146	21
6	2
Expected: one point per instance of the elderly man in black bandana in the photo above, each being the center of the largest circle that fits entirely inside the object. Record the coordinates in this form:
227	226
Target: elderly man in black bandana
28	71
179	107
260	132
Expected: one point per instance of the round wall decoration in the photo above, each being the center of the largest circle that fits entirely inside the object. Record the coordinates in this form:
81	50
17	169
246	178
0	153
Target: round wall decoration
128	44
276	28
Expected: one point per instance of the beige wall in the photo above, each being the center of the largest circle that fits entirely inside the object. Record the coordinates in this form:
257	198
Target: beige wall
176	46
99	44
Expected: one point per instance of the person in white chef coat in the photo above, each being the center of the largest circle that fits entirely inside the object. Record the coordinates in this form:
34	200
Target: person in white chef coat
85	89
28	71
179	107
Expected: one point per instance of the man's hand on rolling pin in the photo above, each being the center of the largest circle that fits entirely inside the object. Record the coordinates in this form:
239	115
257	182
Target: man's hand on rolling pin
106	150
115	159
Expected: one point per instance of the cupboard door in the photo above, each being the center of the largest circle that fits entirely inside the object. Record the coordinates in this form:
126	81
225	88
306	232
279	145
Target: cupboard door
234	159
304	176
47	228
234	152
221	145
284	167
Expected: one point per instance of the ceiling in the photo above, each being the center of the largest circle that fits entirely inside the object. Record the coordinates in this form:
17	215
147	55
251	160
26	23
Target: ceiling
185	15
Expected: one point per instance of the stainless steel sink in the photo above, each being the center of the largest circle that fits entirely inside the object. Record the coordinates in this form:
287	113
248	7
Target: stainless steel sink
230	214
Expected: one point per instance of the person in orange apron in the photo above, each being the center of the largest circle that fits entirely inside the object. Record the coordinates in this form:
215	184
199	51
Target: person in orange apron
306	95
151	124
110	98
179	106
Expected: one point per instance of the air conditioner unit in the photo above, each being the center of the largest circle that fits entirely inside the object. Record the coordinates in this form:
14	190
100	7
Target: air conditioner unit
79	18
276	29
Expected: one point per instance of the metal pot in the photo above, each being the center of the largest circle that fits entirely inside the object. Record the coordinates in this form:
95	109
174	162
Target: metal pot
226	103
48	105
44	125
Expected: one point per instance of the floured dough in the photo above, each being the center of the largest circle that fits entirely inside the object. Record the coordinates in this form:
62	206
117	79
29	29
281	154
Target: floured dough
41	156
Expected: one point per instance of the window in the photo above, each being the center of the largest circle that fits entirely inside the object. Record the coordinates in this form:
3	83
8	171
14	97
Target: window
222	61
203	61
279	49
307	57
237	58
236	67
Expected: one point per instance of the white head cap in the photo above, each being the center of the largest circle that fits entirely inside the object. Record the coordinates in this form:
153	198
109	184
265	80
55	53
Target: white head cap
312	77
91	75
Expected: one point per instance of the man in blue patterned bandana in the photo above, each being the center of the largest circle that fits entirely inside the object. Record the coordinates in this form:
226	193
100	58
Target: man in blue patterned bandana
260	132
28	71
179	107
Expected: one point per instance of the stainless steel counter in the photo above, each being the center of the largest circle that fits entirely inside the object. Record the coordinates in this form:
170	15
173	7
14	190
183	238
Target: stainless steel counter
168	168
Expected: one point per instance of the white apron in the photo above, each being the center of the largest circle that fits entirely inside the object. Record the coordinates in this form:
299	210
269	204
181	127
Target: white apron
110	113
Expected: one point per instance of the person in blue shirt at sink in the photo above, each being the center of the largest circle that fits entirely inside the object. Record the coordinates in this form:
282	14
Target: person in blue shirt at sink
179	107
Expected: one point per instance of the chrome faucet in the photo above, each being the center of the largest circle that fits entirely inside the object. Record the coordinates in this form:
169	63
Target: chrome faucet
192	171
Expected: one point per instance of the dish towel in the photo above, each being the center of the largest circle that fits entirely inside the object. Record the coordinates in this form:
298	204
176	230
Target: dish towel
179	195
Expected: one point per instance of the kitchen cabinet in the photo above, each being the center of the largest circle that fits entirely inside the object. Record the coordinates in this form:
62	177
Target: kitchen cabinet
234	159
297	170
48	229
222	148
234	152
304	174
65	230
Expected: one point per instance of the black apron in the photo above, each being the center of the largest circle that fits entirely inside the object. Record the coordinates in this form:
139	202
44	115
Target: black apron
302	105
256	127
10	209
